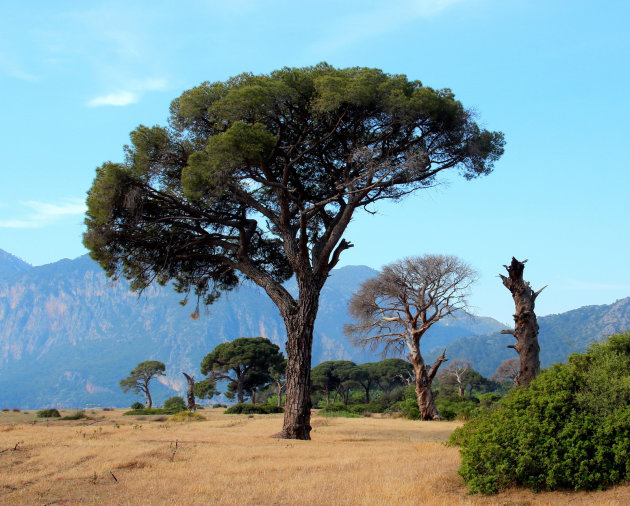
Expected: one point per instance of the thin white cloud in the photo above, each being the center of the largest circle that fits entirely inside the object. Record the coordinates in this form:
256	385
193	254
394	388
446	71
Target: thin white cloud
369	23
41	214
119	99
134	91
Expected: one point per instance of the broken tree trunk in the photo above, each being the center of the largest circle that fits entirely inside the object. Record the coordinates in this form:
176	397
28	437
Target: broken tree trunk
190	393
525	325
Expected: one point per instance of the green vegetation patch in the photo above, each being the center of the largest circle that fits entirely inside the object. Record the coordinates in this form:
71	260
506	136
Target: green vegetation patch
150	411
253	409
569	429
77	415
187	416
175	404
48	413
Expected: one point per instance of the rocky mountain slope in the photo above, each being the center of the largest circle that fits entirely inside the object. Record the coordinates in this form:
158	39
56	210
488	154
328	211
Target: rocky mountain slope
560	335
68	334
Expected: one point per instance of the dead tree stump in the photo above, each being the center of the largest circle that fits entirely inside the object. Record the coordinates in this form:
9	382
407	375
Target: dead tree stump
190	393
525	325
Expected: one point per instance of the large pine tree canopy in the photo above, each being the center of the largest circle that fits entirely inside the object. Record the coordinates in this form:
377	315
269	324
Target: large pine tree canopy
260	175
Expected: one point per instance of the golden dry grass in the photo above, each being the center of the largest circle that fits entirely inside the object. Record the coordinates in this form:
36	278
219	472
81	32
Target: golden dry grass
230	459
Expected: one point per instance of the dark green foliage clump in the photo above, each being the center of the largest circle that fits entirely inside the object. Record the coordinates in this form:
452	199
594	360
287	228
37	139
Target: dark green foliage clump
453	407
569	429
339	410
175	404
219	405
407	407
77	415
137	405
253	409
150	411
48	413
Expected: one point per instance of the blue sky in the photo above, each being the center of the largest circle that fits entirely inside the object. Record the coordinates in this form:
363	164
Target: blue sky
77	77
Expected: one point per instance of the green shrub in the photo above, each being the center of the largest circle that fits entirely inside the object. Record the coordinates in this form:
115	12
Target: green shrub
334	408
453	407
217	405
77	415
48	413
253	409
340	410
175	404
137	405
569	429
186	416
407	408
338	414
150	411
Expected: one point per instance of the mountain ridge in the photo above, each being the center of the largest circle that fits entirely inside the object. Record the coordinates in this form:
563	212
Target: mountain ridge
79	332
68	334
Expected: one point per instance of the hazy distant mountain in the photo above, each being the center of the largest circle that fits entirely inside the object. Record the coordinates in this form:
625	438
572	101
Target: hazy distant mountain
68	334
560	335
11	265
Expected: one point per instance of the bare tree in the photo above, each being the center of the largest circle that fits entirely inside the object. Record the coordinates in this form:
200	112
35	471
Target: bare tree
396	308
507	370
525	325
456	369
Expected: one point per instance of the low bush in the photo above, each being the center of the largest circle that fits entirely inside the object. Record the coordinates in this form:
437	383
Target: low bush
108	409
48	413
453	407
175	404
187	416
6	409
373	406
340	410
16	410
253	409
150	411
407	408
569	429
137	405
219	405
77	415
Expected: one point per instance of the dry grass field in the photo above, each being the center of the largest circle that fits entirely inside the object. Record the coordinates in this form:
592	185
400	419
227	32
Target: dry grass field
230	459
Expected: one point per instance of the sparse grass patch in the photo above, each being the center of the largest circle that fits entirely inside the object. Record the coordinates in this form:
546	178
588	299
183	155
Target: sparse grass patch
361	461
187	416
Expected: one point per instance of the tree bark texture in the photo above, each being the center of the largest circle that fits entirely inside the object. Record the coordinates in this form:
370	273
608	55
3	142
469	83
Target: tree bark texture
300	325
424	379
148	396
190	393
240	396
525	324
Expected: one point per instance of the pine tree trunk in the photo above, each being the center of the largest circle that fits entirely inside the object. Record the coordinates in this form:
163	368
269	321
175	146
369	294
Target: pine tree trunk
525	323
297	409
239	391
148	395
